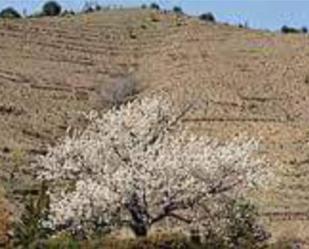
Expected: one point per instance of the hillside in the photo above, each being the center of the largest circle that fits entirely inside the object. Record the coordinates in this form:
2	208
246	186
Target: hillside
248	81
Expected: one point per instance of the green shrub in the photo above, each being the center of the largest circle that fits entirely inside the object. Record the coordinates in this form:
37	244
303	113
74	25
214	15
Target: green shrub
208	17
304	30
289	30
178	10
9	13
240	229
243	230
28	230
98	7
155	6
51	8
243	25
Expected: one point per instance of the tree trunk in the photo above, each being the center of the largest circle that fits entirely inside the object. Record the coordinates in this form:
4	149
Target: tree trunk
140	230
140	218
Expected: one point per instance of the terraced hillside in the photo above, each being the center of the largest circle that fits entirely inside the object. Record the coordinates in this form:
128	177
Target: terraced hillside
244	81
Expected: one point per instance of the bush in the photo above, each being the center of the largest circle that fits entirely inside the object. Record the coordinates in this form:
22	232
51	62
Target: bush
88	7
138	165
98	7
304	30
51	8
208	17
178	10
155	6
144	6
68	13
88	10
91	6
28	231
289	30
243	230
243	26
9	13
117	91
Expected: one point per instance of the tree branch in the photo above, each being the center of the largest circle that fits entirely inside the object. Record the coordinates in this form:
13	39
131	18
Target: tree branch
182	114
221	188
178	217
168	209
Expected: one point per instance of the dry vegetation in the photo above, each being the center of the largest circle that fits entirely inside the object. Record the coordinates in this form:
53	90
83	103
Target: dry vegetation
248	81
5	218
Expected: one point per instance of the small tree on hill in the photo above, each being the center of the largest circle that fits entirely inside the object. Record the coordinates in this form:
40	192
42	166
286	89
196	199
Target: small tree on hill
304	30
155	6
51	8
209	17
9	13
178	10
98	7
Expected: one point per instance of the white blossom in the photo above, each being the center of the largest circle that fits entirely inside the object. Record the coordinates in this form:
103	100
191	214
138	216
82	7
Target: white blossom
140	165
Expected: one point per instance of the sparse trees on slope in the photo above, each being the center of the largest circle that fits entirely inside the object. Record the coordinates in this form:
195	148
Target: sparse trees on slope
290	30
138	166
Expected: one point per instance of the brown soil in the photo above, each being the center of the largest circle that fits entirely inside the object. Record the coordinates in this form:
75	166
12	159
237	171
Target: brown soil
245	81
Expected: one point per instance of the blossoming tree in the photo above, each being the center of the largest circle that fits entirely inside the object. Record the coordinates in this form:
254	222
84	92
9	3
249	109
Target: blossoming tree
138	166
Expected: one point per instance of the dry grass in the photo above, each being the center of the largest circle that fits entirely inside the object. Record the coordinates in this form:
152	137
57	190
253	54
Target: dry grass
153	242
292	230
4	218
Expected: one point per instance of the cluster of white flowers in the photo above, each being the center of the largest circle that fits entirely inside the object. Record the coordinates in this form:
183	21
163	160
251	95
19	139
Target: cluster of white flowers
139	165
